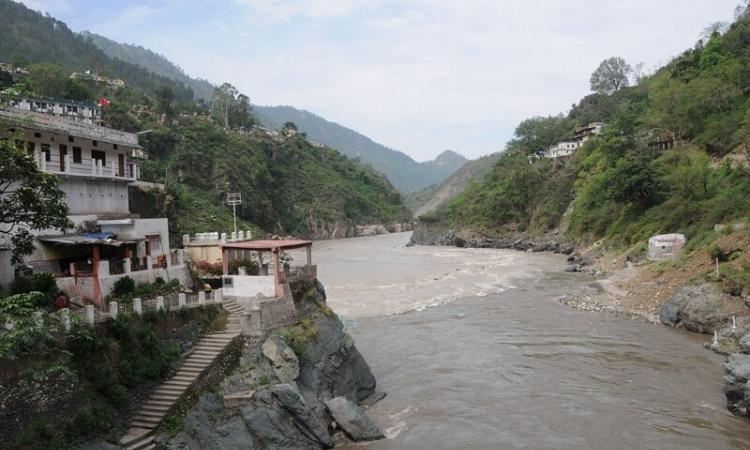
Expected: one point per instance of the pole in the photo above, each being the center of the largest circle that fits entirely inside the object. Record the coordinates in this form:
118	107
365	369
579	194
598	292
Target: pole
234	213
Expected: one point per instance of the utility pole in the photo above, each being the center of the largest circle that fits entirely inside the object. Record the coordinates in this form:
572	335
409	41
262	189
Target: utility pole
234	199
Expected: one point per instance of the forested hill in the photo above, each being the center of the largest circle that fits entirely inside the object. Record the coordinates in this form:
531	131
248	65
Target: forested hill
406	174
289	186
154	62
28	37
672	156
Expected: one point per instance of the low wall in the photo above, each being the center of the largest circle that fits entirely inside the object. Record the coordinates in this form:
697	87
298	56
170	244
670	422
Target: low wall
83	287
268	314
250	286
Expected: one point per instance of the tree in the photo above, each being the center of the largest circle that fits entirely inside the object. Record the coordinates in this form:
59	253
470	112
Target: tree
533	136
222	103
29	200
47	80
164	99
611	76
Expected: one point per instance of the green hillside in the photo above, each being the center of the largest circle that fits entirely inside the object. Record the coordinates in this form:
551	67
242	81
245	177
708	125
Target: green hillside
289	186
406	174
672	157
29	37
153	62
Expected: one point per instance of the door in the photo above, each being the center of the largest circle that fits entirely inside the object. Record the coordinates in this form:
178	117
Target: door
63	154
121	165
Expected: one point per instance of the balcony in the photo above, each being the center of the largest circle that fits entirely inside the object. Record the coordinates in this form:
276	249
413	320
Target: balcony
90	168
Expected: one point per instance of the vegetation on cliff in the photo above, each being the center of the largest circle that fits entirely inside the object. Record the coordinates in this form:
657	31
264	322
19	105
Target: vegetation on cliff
671	158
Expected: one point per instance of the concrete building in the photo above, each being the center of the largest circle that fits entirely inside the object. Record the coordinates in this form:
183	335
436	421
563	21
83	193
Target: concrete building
664	247
86	112
207	246
92	76
95	165
580	136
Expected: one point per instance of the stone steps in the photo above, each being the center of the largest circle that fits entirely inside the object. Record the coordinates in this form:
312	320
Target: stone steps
152	411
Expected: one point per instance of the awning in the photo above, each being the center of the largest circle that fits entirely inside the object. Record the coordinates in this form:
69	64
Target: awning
105	238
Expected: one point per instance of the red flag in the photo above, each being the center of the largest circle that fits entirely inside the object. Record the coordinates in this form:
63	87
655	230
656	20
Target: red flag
103	101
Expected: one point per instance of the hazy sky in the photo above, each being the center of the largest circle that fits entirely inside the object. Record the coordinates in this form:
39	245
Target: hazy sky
420	76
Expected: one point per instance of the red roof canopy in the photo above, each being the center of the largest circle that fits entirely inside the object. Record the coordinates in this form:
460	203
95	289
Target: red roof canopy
268	245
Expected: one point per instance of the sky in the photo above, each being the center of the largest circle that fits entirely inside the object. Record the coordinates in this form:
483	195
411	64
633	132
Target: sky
420	76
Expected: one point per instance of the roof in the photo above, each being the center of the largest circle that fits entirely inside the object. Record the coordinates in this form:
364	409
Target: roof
268	245
104	238
47	122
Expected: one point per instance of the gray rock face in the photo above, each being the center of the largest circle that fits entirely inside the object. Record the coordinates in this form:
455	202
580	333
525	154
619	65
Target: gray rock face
352	419
289	415
280	418
516	241
282	358
736	384
701	308
745	343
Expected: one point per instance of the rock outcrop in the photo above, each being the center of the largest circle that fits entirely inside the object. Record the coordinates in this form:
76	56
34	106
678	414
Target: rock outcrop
736	385
550	242
352	419
702	308
288	377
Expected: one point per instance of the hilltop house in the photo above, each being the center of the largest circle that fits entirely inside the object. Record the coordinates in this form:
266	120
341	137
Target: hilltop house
95	165
93	76
85	112
580	136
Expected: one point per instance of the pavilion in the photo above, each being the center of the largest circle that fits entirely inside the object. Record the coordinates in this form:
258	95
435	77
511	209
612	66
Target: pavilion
232	251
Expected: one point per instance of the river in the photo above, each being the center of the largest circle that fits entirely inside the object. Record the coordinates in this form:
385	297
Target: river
475	352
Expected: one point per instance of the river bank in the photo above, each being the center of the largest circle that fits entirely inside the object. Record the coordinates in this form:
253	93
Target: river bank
504	365
684	293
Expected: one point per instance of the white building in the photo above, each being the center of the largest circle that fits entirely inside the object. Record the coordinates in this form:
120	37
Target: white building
95	165
580	136
85	112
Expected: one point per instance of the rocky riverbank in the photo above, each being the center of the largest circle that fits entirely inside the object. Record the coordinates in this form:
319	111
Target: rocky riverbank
549	242
300	387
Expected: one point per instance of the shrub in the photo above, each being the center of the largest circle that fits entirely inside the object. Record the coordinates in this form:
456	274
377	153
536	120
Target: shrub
123	286
717	252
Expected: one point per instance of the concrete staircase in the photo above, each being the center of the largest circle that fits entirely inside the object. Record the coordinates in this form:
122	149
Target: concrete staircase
141	432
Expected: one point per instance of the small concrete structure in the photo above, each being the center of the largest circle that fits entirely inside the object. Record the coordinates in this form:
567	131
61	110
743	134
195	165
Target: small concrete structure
664	247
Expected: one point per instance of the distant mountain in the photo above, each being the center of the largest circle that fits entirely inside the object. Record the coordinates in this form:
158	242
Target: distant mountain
154	62
429	199
404	173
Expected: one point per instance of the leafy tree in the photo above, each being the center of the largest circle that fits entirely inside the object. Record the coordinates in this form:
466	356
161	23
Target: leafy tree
75	90
535	135
164	100
290	126
611	75
29	200
635	180
223	103
5	79
47	79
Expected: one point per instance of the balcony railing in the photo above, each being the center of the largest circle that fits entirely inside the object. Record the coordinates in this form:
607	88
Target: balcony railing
87	167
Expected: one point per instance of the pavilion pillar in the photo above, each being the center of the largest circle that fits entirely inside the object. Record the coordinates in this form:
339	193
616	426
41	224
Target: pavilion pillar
309	255
95	275
224	262
277	274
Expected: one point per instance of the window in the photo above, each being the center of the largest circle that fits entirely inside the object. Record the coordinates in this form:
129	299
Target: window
71	139
30	146
114	146
38	135
94	143
99	155
47	153
77	155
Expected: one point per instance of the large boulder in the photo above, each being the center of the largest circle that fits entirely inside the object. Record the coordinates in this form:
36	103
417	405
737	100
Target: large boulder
745	343
736	384
701	308
282	358
280	418
353	421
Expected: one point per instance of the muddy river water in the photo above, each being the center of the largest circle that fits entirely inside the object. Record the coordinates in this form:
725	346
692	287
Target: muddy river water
474	351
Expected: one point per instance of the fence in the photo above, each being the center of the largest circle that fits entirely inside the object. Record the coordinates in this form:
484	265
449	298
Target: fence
168	303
